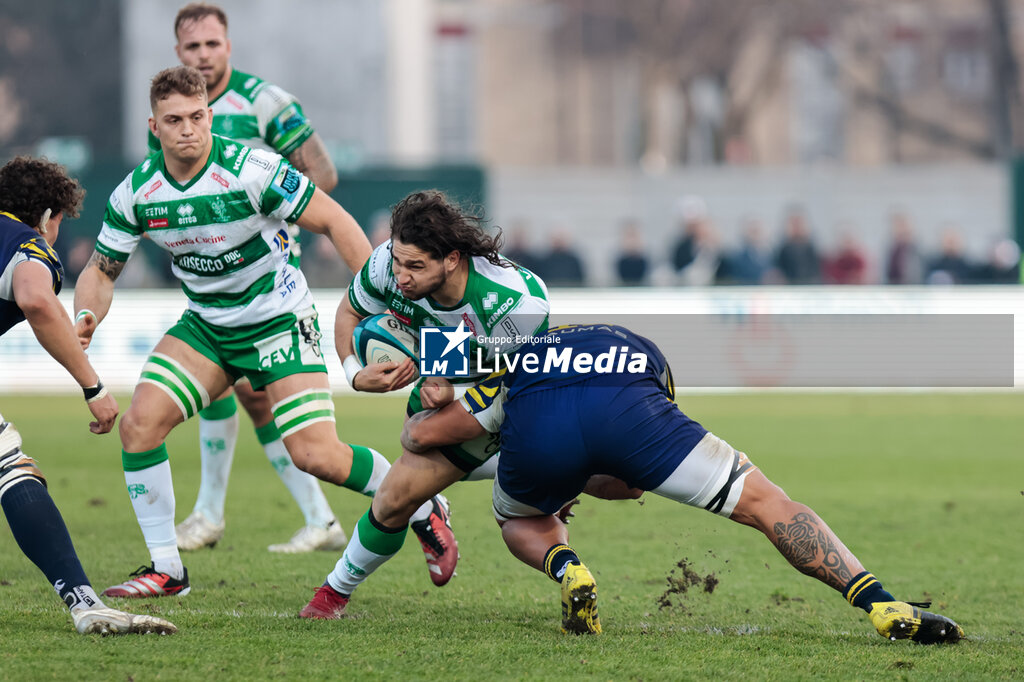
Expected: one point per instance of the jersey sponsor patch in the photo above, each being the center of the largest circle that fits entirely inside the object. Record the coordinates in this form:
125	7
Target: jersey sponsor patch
257	161
286	182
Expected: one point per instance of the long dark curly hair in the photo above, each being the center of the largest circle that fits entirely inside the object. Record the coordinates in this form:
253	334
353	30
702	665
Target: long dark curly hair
29	186
432	223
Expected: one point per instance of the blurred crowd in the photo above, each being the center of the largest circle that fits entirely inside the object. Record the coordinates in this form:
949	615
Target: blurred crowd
696	257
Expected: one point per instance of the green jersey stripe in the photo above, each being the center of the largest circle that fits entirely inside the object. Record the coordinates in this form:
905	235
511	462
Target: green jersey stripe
532	285
226	207
363	312
232	299
224	263
270	202
303	202
105	250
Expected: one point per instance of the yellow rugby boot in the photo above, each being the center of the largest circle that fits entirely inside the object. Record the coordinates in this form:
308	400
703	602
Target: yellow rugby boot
579	601
902	620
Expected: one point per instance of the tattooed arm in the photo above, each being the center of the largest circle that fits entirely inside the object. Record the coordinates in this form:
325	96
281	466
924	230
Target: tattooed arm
93	292
312	159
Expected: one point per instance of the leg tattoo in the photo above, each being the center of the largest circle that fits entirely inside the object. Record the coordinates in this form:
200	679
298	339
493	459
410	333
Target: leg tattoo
812	548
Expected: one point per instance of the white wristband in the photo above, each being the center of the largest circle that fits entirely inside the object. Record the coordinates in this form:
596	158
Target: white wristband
352	368
85	312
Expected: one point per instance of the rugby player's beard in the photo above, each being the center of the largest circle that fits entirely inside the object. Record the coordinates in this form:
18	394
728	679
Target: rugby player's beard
424	290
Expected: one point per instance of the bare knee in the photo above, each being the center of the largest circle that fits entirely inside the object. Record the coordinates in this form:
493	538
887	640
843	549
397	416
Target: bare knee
759	502
320	456
394	504
142	429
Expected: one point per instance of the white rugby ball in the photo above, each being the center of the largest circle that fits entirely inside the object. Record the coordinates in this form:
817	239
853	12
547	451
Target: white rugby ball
383	338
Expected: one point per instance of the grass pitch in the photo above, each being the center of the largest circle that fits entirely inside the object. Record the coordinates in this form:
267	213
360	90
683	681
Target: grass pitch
925	489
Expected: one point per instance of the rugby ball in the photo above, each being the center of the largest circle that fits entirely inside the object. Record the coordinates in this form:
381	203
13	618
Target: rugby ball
382	338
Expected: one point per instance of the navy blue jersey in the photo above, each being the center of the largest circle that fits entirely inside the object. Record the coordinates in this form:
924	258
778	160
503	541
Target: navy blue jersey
19	243
612	349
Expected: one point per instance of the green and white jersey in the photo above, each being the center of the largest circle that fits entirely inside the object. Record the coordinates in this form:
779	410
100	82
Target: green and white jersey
225	230
257	113
502	306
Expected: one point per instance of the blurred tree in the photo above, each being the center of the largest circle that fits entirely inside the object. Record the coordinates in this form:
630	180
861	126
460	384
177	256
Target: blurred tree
741	47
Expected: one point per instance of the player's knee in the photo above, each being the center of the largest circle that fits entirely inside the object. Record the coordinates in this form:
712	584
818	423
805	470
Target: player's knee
758	500
141	429
394	504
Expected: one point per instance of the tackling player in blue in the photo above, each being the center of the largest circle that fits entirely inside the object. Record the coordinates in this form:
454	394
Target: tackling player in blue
35	196
599	400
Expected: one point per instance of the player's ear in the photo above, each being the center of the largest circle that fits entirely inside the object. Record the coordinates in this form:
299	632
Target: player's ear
152	126
452	260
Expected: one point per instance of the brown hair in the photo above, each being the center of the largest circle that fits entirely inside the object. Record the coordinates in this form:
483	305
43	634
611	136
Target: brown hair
194	11
181	80
30	186
432	223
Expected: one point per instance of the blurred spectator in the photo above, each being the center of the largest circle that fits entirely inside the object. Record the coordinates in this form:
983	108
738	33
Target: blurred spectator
631	264
1003	266
904	264
516	247
691	213
849	265
380	227
78	257
695	257
950	266
751	261
561	266
797	258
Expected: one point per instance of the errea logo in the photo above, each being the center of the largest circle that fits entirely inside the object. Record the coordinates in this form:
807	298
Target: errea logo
185	216
230	150
489	300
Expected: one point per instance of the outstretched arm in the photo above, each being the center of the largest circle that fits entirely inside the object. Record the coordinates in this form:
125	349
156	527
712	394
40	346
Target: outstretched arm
312	159
93	293
33	293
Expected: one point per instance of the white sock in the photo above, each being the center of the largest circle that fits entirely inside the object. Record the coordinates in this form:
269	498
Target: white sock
423	513
363	562
85	599
217	439
152	493
381	467
305	488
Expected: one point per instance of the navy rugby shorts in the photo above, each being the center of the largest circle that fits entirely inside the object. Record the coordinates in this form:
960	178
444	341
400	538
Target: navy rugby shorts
554	439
